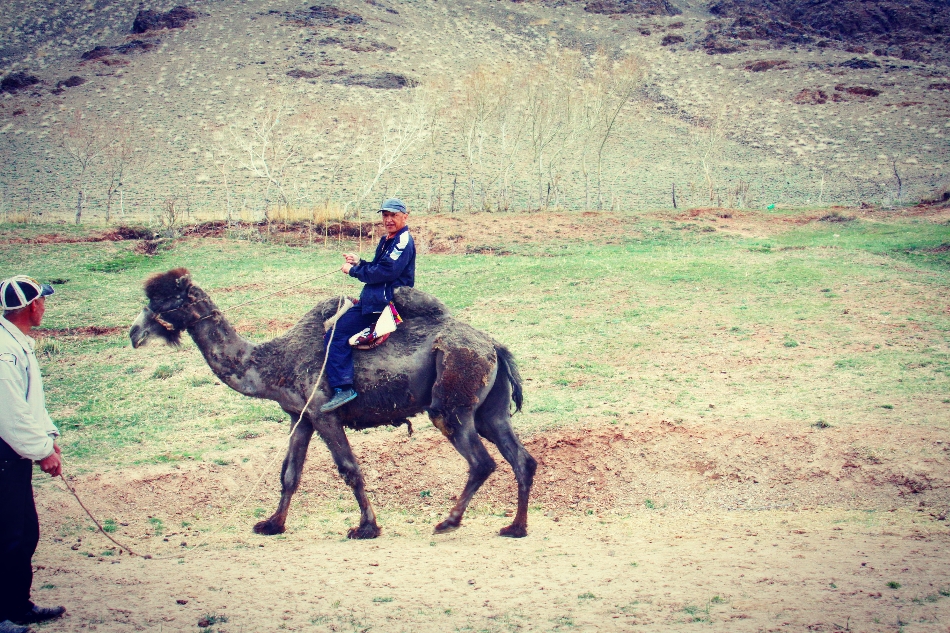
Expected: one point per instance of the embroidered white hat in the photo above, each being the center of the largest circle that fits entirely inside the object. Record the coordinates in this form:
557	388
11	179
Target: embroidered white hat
20	291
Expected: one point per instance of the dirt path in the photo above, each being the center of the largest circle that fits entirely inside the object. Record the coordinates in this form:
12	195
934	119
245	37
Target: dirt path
727	528
738	571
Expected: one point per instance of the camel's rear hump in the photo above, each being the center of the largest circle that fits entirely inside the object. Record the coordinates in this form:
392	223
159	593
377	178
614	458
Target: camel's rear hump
413	304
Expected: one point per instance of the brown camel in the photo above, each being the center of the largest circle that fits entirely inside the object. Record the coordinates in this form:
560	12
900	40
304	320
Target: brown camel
460	376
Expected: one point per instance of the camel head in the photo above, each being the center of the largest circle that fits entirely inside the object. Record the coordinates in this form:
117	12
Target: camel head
166	315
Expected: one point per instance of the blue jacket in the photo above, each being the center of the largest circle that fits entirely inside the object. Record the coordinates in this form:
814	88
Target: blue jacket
393	266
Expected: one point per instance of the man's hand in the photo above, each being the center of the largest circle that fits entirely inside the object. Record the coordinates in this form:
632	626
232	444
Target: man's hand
53	463
351	260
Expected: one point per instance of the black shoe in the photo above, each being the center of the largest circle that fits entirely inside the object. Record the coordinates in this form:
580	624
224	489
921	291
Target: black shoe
40	614
9	627
340	397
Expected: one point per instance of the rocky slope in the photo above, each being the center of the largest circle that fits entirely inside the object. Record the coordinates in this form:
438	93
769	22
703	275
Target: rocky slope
740	103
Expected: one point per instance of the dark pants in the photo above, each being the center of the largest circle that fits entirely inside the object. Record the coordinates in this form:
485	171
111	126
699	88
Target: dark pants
19	535
339	352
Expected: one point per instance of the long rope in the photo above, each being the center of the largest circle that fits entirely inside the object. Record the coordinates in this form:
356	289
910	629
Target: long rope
239	305
276	292
269	464
98	525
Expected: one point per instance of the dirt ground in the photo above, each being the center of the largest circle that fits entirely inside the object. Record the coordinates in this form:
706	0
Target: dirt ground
642	525
770	571
490	233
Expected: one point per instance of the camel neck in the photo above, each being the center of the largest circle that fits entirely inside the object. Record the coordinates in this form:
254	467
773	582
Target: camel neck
229	355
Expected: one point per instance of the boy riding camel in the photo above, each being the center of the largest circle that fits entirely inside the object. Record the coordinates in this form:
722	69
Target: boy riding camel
394	265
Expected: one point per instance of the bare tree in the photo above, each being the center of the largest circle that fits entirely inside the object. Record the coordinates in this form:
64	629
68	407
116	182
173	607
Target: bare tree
342	139
604	93
222	158
83	137
397	131
478	107
900	183
566	72
489	116
510	134
562	154
621	84
266	143
545	115
434	142
125	151
708	140
173	211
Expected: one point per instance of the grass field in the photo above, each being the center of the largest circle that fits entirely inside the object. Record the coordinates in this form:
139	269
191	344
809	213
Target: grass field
748	413
839	323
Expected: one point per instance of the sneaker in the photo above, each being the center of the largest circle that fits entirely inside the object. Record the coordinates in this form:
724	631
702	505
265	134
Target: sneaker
9	627
340	397
362	337
367	339
40	614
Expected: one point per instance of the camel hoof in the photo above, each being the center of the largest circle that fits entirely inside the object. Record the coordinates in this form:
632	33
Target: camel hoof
268	528
447	526
514	531
370	530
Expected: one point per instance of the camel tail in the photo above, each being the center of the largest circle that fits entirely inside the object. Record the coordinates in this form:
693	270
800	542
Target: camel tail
508	368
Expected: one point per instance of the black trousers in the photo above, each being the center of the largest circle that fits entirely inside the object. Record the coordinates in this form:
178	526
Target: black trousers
19	535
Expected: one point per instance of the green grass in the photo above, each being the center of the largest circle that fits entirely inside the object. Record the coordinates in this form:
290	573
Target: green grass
164	372
667	321
212	619
910	241
697	614
157	524
124	261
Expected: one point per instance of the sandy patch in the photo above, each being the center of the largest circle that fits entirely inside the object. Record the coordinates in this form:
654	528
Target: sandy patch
649	524
766	571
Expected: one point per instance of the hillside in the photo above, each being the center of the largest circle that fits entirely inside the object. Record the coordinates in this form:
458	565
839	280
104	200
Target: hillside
484	104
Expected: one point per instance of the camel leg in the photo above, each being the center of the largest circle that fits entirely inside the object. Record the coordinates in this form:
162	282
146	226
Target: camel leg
493	422
459	427
290	474
522	463
524	466
335	438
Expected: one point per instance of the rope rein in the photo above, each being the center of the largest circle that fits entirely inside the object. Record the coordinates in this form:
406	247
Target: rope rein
170	327
267	467
101	529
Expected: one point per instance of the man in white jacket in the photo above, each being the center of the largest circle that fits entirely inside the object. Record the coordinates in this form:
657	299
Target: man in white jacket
27	435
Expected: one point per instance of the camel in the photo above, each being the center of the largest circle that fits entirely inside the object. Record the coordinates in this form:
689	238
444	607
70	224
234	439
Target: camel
464	379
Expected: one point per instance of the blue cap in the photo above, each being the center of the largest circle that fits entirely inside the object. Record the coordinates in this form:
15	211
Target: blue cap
394	205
